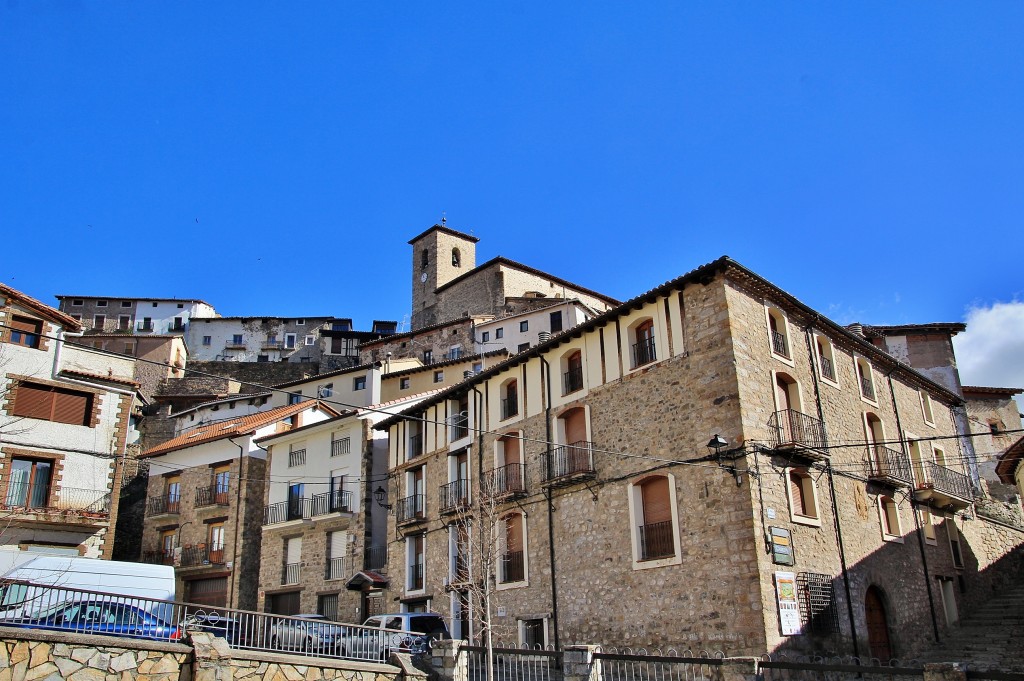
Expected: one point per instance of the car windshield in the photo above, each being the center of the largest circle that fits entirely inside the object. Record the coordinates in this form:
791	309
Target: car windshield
433	626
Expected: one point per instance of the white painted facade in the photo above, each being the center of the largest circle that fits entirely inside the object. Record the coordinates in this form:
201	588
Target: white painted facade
236	406
513	336
69	511
146	315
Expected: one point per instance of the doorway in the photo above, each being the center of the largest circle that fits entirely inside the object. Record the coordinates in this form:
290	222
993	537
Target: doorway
878	625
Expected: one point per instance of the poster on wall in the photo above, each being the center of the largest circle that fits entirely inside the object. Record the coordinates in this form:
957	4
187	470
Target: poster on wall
789	607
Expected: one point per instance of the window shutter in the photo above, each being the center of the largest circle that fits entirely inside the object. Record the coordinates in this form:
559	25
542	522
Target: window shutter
294	550
33	402
26	325
69	407
797	492
514	533
657	508
512	450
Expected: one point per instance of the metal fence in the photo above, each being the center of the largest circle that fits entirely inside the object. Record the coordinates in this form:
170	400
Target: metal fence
630	665
512	663
31	606
844	668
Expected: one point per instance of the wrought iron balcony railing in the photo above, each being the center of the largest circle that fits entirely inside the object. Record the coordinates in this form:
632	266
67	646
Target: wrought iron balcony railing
827	370
415	577
890	464
335	501
453	496
163	504
159	557
213	495
202	554
339	568
867	388
48	497
779	345
946	481
791	427
290	573
459	426
656	540
573	459
572	380
513	567
375	557
299	508
509	479
409	508
644	352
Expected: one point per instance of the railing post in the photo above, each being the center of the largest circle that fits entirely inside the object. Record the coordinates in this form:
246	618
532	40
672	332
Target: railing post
578	664
449	660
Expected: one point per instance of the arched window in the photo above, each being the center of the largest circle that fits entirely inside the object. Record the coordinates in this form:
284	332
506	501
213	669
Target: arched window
575	455
572	372
456	258
778	332
877	452
826	359
512	561
509	399
867	381
642	338
509	476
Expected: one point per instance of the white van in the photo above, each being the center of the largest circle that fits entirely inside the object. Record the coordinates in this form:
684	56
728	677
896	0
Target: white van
28	575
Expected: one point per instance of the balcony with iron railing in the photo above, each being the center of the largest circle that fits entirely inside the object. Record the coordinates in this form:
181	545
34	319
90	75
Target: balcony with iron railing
794	430
512	567
272	345
144	326
508	480
163	505
213	495
459	425
202	554
566	463
300	508
453	496
572	380
409	509
297	457
867	388
943	487
827	369
779	345
24	497
644	352
159	557
415	578
415	445
341	447
335	501
657	540
339	568
889	466
375	557
509	407
290	573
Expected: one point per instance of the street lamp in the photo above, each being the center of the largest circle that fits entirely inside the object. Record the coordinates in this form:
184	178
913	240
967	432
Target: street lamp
380	494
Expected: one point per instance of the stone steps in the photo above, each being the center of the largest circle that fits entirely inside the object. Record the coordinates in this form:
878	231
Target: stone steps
989	638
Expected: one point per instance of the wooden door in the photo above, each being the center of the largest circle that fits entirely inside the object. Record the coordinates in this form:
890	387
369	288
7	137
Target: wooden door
878	626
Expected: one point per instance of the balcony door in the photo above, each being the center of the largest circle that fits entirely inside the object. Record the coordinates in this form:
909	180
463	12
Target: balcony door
29	483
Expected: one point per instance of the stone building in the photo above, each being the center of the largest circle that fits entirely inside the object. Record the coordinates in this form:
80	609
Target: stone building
712	451
205	503
135	315
323	532
162	356
1010	469
995	420
67	414
447	284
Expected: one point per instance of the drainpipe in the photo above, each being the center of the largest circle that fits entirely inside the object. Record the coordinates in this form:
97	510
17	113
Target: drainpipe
480	487
551	506
239	517
917	523
842	557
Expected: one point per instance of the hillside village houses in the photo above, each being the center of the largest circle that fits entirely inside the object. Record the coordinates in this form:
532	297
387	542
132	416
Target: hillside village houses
68	414
700	450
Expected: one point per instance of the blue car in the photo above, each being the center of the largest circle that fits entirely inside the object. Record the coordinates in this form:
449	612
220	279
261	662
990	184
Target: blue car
102	617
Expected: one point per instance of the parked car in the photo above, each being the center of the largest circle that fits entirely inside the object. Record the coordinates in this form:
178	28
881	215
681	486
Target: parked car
101	617
306	632
401	632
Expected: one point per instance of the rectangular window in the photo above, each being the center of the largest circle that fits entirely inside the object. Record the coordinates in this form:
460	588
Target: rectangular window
327	605
533	634
26	331
98	321
123	322
126	303
485	336
207	340
179	324
926	408
77	317
523	347
48	403
262	358
359	383
181	306
403	383
428	356
414	578
438	376
309	340
101	303
78	302
300	322
295	397
146	324
524	325
236	339
556	321
499	333
954	544
129	348
28	483
215	542
341	446
289	341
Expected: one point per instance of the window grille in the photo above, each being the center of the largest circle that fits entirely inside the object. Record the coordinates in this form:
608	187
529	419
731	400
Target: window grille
341	447
818	611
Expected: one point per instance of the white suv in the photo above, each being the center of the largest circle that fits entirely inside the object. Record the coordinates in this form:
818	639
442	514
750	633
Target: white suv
400	632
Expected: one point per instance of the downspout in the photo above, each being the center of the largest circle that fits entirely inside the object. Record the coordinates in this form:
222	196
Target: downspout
551	506
917	524
480	488
832	496
238	523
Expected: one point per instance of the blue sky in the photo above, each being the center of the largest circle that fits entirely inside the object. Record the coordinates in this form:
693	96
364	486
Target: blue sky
275	158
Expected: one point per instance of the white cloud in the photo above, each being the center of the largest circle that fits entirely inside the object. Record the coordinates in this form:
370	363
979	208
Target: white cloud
991	351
